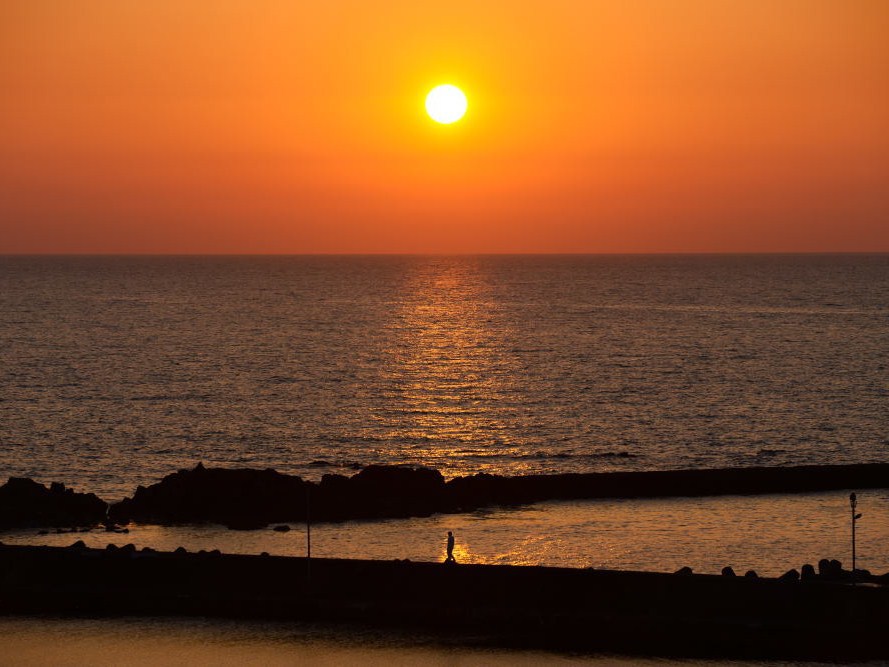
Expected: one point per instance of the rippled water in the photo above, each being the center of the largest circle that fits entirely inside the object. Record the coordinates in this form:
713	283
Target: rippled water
115	371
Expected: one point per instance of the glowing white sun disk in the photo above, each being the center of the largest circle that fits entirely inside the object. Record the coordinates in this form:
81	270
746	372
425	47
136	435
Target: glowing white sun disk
446	104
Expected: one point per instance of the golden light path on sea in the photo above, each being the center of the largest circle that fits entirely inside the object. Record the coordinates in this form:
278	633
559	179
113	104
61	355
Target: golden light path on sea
449	368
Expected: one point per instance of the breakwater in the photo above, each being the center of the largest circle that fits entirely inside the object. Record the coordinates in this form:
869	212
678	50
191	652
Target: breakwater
247	498
540	607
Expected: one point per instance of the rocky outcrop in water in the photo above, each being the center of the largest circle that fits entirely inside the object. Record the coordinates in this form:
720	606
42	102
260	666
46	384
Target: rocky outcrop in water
245	498
25	503
380	491
238	498
483	489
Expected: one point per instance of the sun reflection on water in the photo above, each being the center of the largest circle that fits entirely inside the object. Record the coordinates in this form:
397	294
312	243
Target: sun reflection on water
451	384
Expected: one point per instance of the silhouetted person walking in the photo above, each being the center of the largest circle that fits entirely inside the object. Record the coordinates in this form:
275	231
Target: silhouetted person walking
450	558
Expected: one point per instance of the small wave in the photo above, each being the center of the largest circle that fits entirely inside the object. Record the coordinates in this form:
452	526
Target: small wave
766	453
169	397
591	455
280	379
323	463
545	456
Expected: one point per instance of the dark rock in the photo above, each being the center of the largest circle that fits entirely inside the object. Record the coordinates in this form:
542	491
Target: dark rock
111	548
249	499
378	492
181	551
832	570
394	491
790	575
751	574
128	549
244	499
284	528
24	503
43	532
728	572
684	571
215	552
807	573
79	544
237	498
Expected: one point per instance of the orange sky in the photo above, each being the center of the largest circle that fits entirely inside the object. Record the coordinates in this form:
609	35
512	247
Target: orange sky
291	126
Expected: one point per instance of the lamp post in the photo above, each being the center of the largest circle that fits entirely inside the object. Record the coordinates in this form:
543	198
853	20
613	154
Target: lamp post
308	537
853	503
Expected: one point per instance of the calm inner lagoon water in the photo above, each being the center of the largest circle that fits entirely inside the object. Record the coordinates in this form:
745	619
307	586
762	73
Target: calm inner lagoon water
769	534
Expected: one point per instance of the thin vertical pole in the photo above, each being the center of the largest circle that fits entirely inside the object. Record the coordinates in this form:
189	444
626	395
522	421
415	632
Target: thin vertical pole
853	542
853	503
308	537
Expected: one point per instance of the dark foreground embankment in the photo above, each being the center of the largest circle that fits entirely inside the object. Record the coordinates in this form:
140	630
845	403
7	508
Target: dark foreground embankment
554	608
246	498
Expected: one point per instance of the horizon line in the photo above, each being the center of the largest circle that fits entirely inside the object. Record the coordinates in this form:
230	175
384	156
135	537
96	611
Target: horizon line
456	254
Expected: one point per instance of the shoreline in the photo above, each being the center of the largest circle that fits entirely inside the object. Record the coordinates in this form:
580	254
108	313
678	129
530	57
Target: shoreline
642	613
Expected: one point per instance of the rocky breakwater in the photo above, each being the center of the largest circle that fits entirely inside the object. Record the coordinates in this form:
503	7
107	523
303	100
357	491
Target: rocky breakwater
244	498
24	503
247	498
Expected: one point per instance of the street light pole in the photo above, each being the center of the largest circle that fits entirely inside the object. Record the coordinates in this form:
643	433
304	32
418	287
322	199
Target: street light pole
308	536
853	503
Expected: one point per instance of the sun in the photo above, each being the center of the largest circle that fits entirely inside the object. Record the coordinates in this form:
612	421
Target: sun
446	104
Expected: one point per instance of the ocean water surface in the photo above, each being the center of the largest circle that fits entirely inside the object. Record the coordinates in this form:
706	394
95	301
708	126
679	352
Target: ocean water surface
115	371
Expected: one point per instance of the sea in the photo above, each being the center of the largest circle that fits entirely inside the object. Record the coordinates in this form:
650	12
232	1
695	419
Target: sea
118	370
115	371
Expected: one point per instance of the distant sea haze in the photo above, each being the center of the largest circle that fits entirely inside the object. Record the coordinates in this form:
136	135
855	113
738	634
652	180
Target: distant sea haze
115	371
